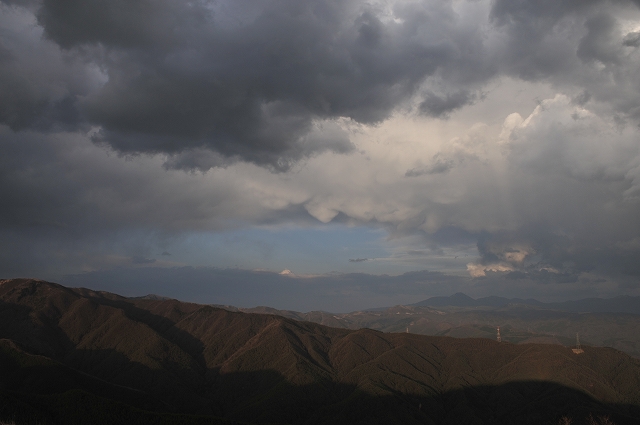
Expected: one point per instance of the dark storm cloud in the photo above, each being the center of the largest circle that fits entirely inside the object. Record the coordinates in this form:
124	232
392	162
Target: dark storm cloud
440	166
540	40
632	39
565	42
70	205
527	25
249	82
32	4
64	205
28	103
600	43
210	83
582	98
37	86
118	23
535	13
29	180
440	106
529	250
548	256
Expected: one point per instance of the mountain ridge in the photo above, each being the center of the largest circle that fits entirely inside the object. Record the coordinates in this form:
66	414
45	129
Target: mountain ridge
191	359
620	304
461	316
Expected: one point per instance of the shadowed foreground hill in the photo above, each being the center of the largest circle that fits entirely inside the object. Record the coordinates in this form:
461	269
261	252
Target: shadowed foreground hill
79	356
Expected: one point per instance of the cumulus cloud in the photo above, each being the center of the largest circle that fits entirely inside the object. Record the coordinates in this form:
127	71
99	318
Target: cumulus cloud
480	270
126	126
440	106
439	166
576	142
38	82
261	82
212	83
632	39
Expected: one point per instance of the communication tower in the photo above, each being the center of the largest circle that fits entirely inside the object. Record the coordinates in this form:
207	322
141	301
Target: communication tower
499	338
578	349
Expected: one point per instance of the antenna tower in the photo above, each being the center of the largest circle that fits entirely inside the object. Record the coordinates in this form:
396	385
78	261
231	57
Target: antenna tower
499	338
578	349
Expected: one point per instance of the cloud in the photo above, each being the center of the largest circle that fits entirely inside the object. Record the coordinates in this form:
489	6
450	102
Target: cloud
358	260
34	95
263	82
131	128
575	45
632	39
542	192
270	82
438	167
226	79
568	140
480	270
601	43
440	106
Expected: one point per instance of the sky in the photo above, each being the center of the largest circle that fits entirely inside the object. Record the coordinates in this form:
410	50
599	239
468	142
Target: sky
320	154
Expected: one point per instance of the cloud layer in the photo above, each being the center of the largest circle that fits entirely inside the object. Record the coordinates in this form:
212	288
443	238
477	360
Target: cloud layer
505	129
261	82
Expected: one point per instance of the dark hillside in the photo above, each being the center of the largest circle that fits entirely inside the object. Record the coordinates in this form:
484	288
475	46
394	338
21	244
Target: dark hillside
163	361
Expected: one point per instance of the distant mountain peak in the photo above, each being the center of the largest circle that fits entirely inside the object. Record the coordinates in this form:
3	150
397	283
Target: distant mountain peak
458	299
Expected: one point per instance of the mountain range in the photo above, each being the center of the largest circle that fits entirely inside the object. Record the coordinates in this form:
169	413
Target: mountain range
76	356
620	304
611	322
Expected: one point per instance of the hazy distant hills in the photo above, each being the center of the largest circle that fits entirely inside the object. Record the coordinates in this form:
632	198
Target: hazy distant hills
461	300
611	322
77	356
621	304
